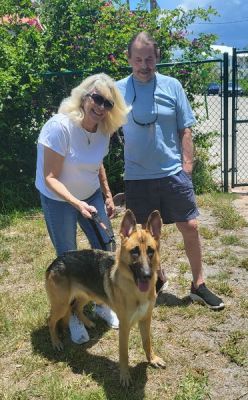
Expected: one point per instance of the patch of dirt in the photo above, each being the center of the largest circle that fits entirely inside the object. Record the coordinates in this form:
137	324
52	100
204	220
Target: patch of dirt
241	203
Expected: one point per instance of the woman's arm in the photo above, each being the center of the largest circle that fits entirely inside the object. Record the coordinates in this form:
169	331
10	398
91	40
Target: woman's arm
106	191
53	163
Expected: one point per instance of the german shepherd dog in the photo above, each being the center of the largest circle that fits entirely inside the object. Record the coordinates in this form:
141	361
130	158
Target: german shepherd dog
125	281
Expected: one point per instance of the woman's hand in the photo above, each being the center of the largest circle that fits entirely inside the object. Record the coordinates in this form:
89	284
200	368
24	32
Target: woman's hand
110	207
85	209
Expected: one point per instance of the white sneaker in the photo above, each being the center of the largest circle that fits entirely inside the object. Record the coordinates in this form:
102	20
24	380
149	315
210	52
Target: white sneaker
78	331
162	281
108	315
164	288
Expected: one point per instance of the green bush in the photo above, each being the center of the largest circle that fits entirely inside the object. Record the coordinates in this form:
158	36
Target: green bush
203	169
83	37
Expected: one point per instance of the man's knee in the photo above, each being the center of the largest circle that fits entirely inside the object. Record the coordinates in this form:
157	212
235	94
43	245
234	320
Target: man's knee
188	227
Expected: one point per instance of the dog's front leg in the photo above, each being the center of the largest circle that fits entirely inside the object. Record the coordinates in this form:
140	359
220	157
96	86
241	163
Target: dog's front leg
145	331
124	330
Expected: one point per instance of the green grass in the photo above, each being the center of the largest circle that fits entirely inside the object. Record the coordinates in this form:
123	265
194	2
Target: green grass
231	240
210	258
236	347
180	245
197	344
183	267
222	208
193	387
207	233
223	288
244	307
244	263
4	255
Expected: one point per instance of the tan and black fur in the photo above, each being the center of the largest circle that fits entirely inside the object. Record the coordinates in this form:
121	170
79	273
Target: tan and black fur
125	281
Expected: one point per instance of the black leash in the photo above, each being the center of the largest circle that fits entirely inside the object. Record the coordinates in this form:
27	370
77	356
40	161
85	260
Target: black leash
97	220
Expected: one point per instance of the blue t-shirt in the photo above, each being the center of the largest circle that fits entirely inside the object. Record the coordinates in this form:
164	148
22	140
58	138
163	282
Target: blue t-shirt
154	151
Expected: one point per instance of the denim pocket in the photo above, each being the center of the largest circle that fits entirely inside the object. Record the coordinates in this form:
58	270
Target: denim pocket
182	179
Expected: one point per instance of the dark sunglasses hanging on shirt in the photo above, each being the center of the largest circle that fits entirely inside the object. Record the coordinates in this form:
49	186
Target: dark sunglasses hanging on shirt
156	115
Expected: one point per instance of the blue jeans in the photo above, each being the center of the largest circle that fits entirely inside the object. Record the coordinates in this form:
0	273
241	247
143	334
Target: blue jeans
62	218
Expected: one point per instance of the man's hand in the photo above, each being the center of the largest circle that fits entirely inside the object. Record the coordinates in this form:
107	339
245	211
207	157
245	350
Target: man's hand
188	167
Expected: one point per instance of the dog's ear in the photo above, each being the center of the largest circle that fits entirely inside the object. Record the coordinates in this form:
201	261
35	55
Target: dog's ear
154	224
128	224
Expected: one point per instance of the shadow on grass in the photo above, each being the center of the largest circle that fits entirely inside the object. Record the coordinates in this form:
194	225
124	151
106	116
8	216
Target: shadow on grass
171	300
100	368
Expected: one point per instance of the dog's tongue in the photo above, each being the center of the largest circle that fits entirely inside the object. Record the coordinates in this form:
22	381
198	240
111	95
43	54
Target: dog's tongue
143	285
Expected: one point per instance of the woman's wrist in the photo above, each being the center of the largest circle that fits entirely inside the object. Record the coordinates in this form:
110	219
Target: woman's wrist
108	195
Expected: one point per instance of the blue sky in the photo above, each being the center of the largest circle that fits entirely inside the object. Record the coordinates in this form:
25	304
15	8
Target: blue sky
231	26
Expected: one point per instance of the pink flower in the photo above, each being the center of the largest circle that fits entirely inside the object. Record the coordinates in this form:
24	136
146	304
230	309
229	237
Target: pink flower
183	71
112	58
36	23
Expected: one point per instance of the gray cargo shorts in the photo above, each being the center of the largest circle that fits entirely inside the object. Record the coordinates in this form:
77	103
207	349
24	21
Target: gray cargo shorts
173	196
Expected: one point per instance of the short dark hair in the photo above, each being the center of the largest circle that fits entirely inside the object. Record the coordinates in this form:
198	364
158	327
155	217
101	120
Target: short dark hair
145	38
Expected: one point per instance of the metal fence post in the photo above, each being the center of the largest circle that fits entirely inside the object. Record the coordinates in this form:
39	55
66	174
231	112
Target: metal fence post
225	122
234	138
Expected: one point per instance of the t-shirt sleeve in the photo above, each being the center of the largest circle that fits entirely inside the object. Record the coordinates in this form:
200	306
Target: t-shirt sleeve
106	148
55	136
185	115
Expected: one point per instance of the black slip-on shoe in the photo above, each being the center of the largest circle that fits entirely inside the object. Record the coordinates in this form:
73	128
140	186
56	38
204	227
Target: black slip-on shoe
205	296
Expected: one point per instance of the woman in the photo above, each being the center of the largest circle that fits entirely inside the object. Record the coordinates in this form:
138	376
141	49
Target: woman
70	175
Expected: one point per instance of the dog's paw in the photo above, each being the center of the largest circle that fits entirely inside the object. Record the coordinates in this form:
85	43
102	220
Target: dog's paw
90	324
58	345
125	378
157	362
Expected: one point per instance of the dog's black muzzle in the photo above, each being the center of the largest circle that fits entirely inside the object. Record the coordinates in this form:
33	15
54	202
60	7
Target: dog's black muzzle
142	275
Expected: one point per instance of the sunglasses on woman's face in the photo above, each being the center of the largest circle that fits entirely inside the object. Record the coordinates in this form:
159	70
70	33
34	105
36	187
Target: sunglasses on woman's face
100	100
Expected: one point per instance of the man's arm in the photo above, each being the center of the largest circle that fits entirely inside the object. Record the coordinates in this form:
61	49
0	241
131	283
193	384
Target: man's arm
187	150
106	191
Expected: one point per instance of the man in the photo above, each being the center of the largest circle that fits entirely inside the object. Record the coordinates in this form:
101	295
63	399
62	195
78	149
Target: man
159	155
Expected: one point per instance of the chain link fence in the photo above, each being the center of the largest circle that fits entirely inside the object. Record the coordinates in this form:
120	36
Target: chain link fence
239	106
203	83
195	78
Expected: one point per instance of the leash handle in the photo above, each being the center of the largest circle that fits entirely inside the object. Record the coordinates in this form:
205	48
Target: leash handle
108	232
98	220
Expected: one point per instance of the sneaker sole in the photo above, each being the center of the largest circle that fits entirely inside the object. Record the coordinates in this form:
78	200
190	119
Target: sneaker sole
198	299
113	326
82	341
106	322
103	317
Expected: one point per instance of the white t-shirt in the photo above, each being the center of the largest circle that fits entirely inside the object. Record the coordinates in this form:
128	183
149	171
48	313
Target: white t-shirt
82	159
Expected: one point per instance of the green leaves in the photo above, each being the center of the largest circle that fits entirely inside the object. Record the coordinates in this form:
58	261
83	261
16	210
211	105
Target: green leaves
76	36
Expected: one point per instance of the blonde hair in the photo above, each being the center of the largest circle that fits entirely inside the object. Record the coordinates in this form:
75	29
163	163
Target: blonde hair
105	85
